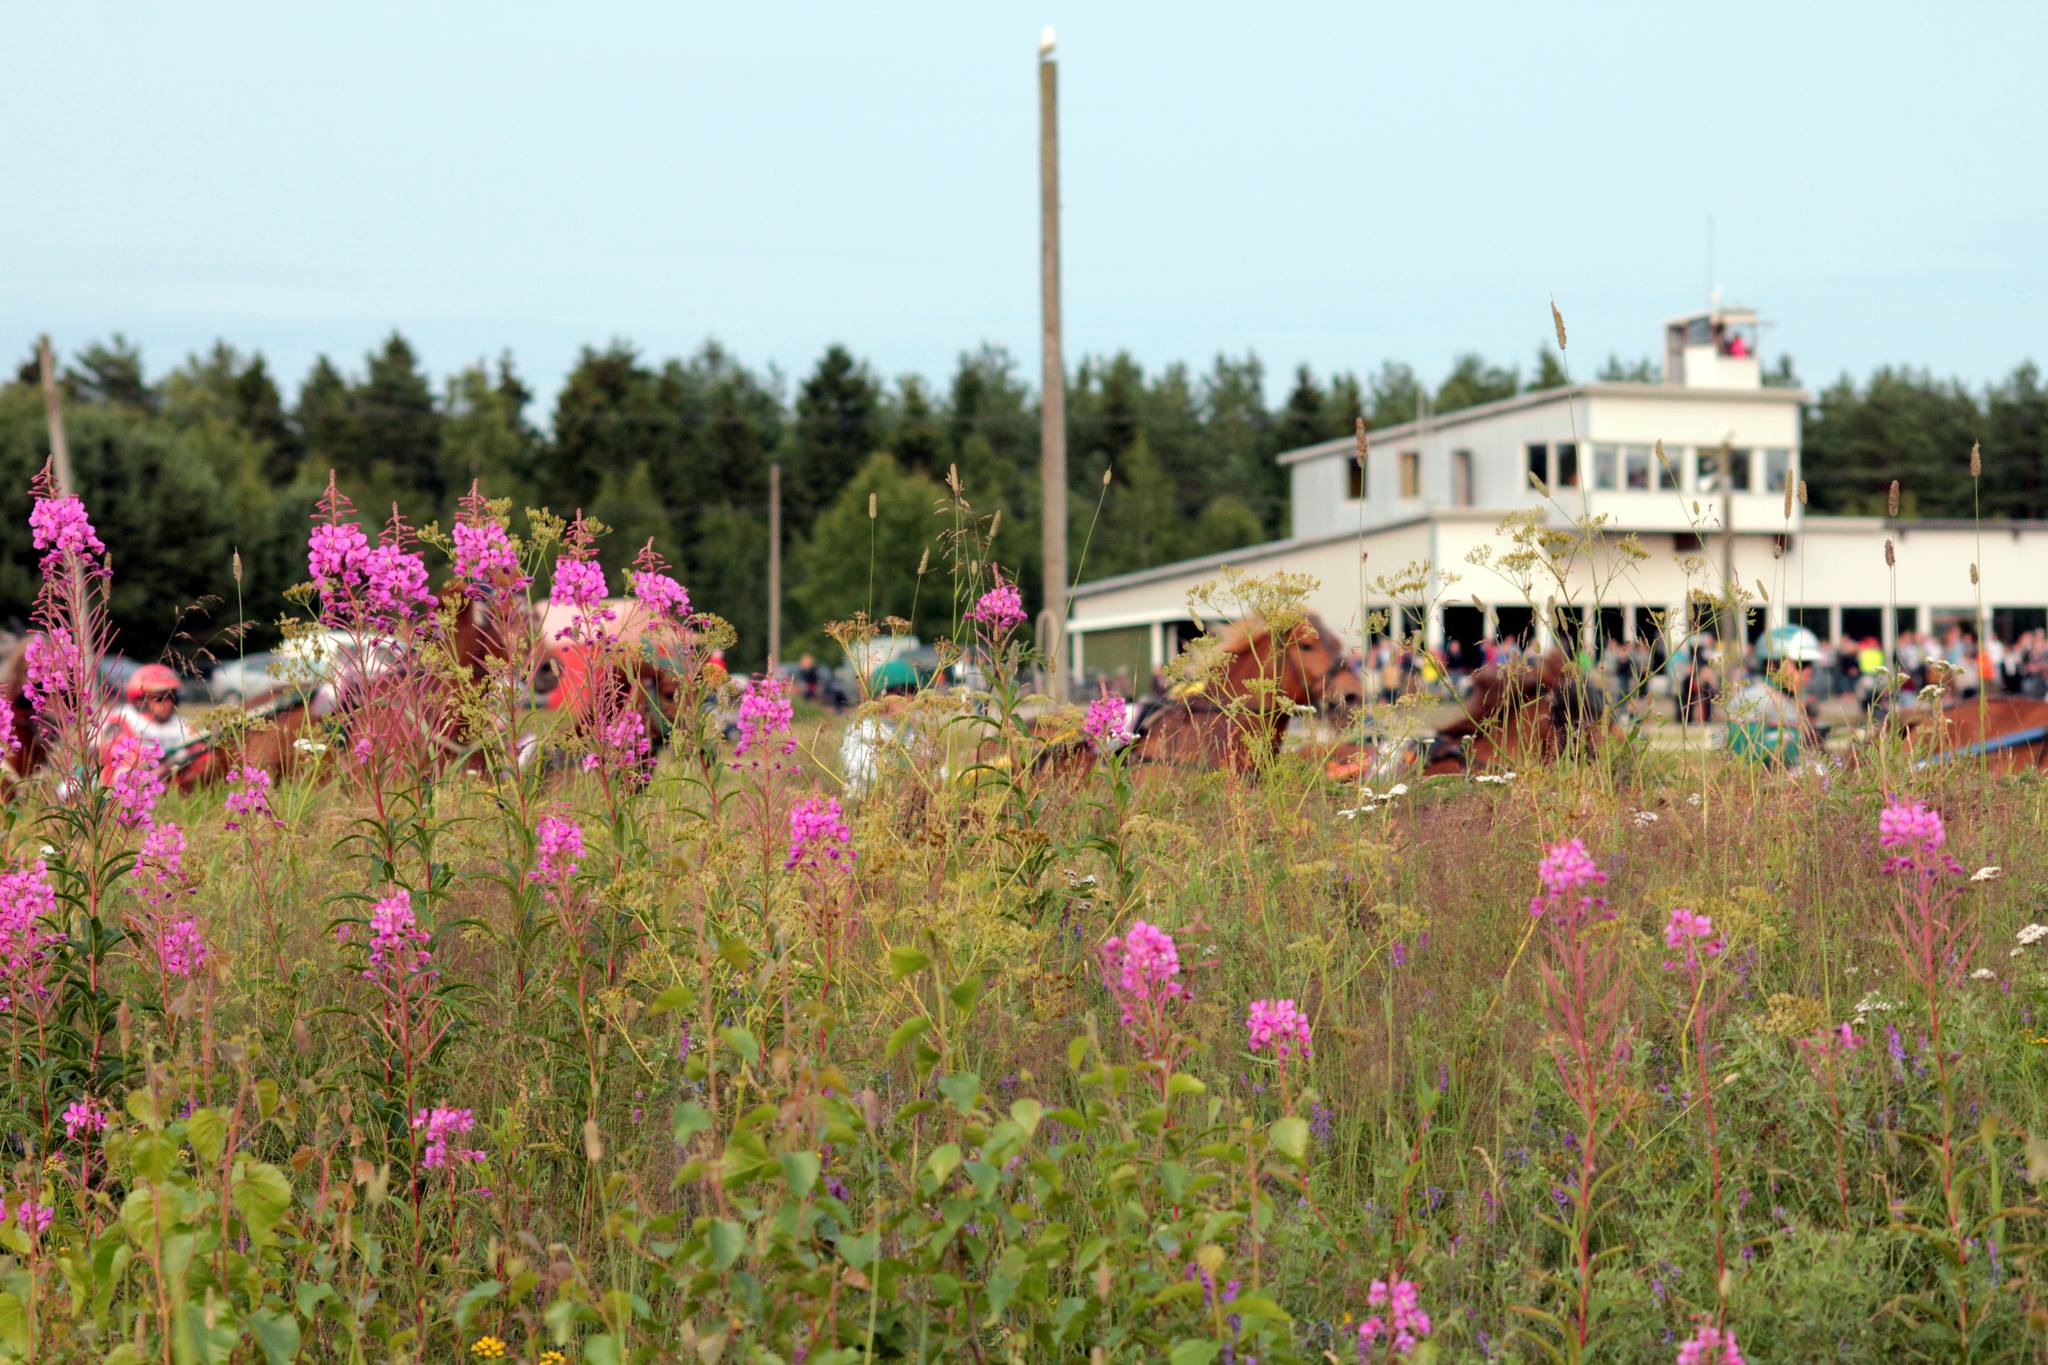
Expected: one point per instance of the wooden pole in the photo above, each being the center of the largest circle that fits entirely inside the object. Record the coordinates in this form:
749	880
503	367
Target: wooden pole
774	564
1053	408
53	404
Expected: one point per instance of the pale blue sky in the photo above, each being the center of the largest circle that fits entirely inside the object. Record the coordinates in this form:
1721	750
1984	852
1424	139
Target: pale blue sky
1332	183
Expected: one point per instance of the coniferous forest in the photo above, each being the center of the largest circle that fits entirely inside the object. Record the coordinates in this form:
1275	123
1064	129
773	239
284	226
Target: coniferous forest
218	457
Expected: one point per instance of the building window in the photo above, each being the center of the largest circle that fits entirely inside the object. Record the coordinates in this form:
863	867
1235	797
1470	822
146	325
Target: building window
1539	465
1606	467
1636	461
1738	470
1461	478
1777	469
1567	465
1411	474
1668	475
1706	470
1355	468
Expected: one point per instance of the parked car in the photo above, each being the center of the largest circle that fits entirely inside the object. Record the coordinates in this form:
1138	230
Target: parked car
253	675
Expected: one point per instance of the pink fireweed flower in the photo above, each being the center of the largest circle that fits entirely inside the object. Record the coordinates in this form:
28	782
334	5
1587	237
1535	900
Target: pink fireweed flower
249	797
394	585
558	843
334	555
1911	826
27	1214
1691	935
623	744
486	562
1916	834
8	743
181	948
84	1118
1277	1026
578	583
399	947
1107	724
161	860
659	593
1001	608
28	914
765	715
438	1126
52	662
1404	1323
818	835
1566	874
1143	965
1710	1345
133	779
59	527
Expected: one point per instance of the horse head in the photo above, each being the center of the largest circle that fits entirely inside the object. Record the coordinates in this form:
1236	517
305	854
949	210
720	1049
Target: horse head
1301	660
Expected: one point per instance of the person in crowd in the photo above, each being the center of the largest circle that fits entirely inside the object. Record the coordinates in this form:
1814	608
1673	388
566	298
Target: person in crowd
149	712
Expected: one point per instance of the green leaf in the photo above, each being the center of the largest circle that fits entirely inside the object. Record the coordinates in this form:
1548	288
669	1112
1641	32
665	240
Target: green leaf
906	962
1193	1353
688	1120
266	1097
1290	1137
207	1131
743	1042
277	1335
674	998
475	1298
859	1251
728	1239
942	1163
801	1169
602	1349
261	1194
964	1087
1026	1113
13	1324
1180	1083
904	1034
966	994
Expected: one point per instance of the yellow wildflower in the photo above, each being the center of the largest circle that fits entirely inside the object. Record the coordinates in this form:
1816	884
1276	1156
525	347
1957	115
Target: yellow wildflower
552	1358
488	1348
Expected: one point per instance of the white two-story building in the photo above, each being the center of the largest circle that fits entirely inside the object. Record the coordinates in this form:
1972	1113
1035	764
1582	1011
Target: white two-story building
1643	541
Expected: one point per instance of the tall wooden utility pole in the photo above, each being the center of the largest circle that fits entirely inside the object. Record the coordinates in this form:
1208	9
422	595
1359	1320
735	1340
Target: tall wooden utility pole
1053	409
53	403
774	565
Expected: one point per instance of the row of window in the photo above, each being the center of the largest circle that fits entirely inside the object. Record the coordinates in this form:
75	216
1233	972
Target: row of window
1616	468
1636	468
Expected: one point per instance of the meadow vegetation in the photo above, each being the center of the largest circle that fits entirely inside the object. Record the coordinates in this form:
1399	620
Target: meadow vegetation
690	1052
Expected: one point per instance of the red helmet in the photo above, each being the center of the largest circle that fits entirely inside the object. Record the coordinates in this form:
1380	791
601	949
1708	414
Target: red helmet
151	678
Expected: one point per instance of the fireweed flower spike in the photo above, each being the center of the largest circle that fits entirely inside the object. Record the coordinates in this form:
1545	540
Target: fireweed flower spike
1710	1345
1401	1320
1279	1027
60	527
1691	935
1565	875
248	799
437	1127
132	777
765	716
558	844
84	1119
819	839
1107	725
1001	608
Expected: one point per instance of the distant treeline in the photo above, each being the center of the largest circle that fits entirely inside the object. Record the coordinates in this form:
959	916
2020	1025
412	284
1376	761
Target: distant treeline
188	469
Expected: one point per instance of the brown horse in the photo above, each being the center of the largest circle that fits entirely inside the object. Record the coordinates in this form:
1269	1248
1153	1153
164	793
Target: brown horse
2008	734
1237	718
1519	711
16	766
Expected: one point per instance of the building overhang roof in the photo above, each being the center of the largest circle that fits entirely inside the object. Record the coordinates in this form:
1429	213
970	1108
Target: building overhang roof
1662	393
